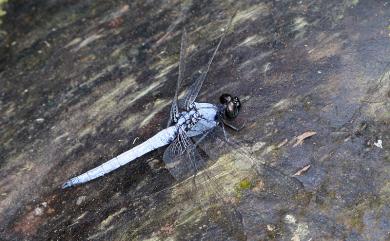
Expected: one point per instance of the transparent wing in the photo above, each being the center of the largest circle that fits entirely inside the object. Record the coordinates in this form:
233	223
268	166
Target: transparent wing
183	53
197	85
179	157
224	157
222	146
199	179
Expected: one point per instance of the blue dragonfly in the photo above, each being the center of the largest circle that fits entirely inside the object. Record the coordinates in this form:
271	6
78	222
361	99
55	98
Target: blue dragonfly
189	124
187	119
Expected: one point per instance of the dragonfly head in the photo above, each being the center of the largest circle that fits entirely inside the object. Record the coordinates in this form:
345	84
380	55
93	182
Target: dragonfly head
231	105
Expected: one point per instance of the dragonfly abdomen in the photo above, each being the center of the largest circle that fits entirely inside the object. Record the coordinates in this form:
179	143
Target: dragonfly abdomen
162	138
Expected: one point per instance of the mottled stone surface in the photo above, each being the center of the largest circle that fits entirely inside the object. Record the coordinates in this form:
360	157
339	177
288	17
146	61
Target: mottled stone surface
83	81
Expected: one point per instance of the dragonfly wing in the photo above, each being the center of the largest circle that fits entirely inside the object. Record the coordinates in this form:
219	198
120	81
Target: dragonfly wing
194	90
222	144
197	85
200	179
183	53
218	201
180	157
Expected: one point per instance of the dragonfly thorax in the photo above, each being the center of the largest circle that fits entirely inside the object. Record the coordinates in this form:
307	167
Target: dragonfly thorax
188	119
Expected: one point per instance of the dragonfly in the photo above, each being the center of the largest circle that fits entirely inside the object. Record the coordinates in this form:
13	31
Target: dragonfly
190	123
187	119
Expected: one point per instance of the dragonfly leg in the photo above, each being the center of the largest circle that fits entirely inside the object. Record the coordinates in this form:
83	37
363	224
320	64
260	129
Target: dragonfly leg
202	137
231	126
224	132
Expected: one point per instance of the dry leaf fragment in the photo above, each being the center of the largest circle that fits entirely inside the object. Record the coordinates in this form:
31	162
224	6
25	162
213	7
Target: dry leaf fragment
302	137
302	171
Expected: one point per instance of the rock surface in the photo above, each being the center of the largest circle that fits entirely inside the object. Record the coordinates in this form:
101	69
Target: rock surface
81	81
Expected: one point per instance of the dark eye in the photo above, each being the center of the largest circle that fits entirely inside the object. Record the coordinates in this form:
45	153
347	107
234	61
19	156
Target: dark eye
231	111
225	98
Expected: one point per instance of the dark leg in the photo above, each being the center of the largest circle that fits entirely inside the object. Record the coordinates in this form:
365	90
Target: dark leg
235	128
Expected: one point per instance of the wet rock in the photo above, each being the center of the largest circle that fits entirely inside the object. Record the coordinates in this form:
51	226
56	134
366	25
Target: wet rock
109	74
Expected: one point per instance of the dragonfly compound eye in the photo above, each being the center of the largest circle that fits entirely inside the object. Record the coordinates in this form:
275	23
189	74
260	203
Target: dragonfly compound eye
225	98
232	110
